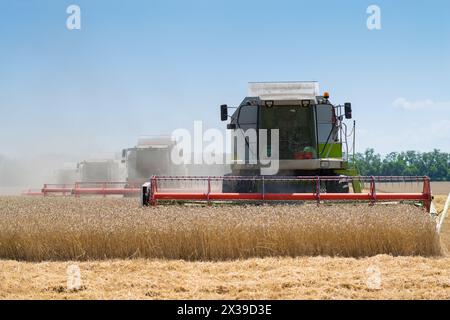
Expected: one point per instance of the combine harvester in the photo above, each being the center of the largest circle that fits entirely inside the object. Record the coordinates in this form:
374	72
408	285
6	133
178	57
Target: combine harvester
313	156
151	156
94	177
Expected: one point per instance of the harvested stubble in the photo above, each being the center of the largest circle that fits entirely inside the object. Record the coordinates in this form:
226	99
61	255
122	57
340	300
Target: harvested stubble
37	229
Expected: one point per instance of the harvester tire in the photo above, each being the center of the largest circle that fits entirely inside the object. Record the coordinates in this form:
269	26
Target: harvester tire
337	187
239	186
228	186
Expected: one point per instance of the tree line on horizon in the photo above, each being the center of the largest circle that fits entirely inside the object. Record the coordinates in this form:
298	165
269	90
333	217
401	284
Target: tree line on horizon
434	164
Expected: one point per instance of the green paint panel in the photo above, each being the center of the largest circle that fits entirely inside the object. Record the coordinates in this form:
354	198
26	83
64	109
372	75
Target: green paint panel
332	150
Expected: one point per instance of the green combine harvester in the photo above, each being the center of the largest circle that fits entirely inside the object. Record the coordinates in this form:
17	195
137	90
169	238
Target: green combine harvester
311	157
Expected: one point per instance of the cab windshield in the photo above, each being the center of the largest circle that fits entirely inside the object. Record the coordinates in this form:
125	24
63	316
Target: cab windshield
296	130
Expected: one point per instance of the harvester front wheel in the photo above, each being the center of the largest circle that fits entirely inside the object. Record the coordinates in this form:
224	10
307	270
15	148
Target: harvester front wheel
239	186
337	187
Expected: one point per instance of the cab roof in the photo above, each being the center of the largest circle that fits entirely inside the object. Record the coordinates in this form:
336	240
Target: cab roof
284	91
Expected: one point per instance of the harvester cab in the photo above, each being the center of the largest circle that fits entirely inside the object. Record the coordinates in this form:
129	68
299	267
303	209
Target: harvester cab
98	170
311	129
151	156
312	132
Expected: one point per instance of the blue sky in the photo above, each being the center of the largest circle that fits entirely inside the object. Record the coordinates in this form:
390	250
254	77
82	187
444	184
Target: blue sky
149	67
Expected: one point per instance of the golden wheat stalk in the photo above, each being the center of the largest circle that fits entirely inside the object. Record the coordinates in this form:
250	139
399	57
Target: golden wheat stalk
49	228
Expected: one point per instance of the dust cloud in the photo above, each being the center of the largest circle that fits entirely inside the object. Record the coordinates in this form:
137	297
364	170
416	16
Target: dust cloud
25	173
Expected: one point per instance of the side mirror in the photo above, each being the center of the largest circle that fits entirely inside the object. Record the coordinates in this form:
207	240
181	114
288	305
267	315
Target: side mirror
348	110
224	112
124	153
231	126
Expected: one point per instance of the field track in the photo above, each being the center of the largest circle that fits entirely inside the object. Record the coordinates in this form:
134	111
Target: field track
271	278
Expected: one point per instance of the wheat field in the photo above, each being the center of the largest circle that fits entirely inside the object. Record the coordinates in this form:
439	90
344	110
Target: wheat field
61	229
319	277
